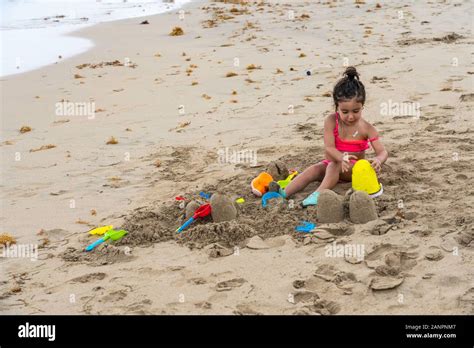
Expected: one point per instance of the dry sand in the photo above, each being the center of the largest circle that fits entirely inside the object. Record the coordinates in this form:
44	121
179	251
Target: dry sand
418	255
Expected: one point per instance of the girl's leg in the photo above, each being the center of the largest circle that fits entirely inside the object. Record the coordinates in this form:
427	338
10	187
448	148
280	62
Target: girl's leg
334	174
331	178
347	176
310	174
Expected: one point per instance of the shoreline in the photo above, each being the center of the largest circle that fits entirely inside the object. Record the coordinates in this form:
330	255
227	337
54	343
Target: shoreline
100	35
65	32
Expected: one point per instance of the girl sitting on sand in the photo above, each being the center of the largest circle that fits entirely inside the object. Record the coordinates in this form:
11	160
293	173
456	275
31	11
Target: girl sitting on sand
346	137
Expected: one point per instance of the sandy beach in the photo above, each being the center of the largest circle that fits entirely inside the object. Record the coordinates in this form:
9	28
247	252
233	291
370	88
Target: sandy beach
168	116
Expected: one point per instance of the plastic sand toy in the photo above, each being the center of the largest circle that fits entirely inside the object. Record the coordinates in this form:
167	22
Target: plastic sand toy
240	200
99	231
286	182
110	234
203	211
270	195
305	227
364	178
205	195
260	184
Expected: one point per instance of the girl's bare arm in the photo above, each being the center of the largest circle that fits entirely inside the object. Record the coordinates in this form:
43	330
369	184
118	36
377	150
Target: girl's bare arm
380	153
331	152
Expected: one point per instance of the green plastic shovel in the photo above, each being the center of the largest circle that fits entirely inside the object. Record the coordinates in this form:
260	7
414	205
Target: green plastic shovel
110	234
286	182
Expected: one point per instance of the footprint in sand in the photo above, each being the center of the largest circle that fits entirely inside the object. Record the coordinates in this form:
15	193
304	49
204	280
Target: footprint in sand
343	280
230	284
311	300
376	252
88	277
396	262
325	307
449	281
377	227
175	268
139	308
435	254
197	281
56	235
389	262
396	256
385	283
326	272
465	237
328	230
149	271
298	284
451	243
216	250
245	309
203	305
114	296
303	296
461	177
467	97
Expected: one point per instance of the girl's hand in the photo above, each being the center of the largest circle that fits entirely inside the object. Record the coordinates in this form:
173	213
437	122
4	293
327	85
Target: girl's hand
377	165
346	163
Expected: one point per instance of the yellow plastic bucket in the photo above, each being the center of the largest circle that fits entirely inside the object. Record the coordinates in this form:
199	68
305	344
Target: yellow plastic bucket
364	178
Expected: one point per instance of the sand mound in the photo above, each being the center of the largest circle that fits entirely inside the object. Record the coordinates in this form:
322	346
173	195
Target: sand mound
228	233
223	208
104	254
253	220
330	207
278	170
277	222
465	237
362	208
191	208
159	223
147	226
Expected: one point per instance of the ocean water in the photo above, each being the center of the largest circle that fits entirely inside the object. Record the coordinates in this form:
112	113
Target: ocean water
34	33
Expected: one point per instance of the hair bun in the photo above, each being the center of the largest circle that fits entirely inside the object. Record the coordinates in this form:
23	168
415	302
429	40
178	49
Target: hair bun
351	73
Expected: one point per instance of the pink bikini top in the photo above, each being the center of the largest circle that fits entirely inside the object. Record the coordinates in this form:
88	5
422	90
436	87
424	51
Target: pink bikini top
350	145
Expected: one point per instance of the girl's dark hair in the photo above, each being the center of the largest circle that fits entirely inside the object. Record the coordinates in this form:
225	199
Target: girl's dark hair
349	87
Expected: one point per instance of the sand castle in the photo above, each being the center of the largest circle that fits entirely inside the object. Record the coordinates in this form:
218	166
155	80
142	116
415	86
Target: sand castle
278	170
330	207
223	208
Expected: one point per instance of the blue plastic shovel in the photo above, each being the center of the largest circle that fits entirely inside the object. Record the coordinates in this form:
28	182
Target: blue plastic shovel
306	227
